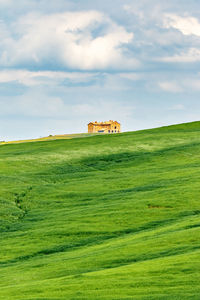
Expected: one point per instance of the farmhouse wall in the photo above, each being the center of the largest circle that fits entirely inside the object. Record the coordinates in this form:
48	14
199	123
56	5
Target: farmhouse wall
104	127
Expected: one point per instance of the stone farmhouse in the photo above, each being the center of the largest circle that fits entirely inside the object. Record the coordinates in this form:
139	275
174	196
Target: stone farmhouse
104	127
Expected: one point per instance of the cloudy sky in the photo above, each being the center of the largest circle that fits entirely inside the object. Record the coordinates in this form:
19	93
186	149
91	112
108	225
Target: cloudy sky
64	63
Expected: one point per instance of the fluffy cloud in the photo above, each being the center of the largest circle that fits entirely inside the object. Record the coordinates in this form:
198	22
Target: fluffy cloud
150	34
186	25
76	40
191	56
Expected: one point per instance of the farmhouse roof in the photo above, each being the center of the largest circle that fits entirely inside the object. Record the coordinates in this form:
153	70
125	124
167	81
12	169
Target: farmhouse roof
103	123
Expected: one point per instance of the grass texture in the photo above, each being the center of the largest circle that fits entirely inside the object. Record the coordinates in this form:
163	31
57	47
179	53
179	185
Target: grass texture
50	138
102	217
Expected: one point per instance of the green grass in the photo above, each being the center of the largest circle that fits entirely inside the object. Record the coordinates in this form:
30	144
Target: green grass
104	217
51	138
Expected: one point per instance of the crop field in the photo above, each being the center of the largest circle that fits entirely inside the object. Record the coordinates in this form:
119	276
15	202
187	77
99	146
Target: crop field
102	217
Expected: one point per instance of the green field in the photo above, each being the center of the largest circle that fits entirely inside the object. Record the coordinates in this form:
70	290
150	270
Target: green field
102	217
51	138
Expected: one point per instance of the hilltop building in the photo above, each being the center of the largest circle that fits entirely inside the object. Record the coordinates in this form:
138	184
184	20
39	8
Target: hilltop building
104	127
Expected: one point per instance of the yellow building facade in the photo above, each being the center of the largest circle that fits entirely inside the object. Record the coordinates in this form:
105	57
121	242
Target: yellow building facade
104	127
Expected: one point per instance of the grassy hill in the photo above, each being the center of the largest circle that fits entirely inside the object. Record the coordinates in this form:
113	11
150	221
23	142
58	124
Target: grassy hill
104	217
51	138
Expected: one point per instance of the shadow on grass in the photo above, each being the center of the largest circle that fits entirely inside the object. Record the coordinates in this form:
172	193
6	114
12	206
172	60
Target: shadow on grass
96	239
118	160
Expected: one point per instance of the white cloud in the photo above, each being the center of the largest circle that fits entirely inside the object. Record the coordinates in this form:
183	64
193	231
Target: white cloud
53	78
170	86
67	39
186	25
29	78
148	20
192	55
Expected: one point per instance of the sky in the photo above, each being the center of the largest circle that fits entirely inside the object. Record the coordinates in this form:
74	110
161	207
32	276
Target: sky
65	63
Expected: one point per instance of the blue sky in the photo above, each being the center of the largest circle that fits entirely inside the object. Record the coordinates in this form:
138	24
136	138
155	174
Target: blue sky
65	63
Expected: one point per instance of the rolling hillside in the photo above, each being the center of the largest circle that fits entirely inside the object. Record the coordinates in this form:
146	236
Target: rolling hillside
50	138
103	217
